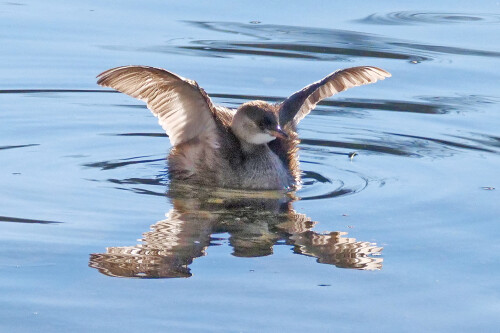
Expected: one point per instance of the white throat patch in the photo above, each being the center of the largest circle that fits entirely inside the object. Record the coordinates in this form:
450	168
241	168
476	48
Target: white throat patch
260	138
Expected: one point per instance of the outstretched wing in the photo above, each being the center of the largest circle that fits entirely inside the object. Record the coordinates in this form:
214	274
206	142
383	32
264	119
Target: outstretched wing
183	109
298	105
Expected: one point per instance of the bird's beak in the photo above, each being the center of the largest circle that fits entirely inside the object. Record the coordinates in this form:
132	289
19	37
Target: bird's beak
278	133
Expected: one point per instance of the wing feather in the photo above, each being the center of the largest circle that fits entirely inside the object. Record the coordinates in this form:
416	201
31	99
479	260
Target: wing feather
183	109
298	105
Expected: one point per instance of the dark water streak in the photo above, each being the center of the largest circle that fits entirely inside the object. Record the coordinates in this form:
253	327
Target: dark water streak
19	146
108	165
23	220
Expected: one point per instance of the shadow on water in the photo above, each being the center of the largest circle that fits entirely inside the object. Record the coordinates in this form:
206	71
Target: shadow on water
255	221
315	43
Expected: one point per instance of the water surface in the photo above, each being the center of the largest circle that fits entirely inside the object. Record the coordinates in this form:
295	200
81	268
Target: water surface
402	236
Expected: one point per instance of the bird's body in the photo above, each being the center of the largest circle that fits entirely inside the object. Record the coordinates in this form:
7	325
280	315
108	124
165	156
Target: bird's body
226	163
253	147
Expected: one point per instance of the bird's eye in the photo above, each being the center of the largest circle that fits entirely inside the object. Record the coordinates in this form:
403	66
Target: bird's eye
265	123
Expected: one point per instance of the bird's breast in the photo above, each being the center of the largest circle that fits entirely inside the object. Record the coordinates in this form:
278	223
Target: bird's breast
264	170
203	164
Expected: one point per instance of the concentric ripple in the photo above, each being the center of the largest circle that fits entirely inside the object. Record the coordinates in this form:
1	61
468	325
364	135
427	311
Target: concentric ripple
412	17
316	186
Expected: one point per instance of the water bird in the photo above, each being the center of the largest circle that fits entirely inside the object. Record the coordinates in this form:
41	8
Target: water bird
251	147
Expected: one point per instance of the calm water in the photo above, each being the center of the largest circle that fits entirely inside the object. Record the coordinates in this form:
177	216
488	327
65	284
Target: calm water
403	237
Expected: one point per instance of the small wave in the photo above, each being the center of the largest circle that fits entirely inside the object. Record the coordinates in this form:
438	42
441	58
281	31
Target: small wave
412	17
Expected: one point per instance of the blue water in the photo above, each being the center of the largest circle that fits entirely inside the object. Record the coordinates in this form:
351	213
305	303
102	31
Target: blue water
402	237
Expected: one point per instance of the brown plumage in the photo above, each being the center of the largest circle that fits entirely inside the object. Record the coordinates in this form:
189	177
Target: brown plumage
253	147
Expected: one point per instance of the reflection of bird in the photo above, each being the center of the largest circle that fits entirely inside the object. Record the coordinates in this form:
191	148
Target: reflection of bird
254	224
253	147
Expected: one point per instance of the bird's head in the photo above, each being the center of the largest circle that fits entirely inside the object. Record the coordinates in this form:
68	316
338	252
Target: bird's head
257	123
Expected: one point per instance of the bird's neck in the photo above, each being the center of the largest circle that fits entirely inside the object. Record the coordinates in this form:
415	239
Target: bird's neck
251	148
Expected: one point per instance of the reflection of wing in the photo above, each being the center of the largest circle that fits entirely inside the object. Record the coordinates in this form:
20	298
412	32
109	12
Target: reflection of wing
183	109
166	251
298	105
333	249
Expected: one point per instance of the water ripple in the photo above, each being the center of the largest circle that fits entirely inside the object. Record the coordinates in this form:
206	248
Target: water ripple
412	17
450	144
107	165
19	146
303	43
391	149
429	104
316	186
24	220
